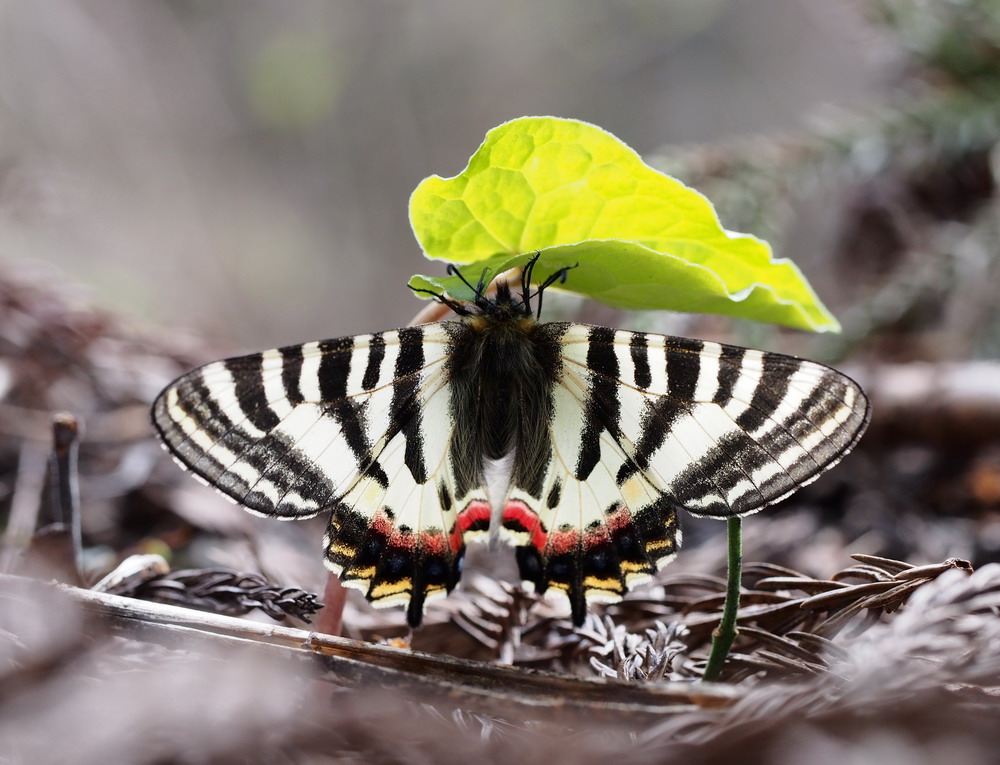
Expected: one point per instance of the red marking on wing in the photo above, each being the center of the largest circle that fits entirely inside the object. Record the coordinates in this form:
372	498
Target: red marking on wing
570	540
518	512
475	511
619	518
402	539
596	536
382	524
563	541
435	543
430	542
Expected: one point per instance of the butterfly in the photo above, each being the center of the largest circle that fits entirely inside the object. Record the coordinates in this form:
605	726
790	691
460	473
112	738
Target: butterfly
577	444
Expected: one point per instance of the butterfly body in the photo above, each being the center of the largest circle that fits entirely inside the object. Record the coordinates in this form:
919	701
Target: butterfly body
502	365
577	444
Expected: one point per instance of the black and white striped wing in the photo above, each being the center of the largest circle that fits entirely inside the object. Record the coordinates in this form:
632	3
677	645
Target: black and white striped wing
644	425
360	425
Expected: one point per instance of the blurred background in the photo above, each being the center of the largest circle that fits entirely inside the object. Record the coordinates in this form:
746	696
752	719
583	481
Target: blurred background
243	168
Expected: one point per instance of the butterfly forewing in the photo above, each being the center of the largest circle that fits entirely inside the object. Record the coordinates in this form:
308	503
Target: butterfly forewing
724	430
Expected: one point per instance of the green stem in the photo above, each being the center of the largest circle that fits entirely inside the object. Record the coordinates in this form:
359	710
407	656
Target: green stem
725	633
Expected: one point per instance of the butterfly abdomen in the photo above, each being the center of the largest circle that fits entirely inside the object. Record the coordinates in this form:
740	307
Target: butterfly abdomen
501	370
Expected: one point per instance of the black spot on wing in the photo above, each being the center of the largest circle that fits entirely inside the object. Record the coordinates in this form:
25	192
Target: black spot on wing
195	398
656	526
657	420
730	364
555	494
767	396
350	417
248	385
355	544
444	497
683	368
602	407
291	373
629	547
640	360
376	354
334	368
530	568
405	409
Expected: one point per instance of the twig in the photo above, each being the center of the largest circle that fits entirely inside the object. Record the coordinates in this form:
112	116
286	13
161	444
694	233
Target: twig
64	485
948	403
25	504
486	688
330	618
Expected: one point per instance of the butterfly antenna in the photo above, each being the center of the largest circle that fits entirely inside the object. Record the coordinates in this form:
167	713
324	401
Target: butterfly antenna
483	282
452	304
477	289
526	279
558	276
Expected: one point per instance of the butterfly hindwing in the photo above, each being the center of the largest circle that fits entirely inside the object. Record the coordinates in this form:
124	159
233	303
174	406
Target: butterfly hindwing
643	425
585	536
360	425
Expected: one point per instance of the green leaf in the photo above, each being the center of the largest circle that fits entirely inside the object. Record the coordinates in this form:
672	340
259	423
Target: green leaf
577	194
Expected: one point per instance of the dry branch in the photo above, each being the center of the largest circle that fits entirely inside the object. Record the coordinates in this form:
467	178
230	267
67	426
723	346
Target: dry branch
471	685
